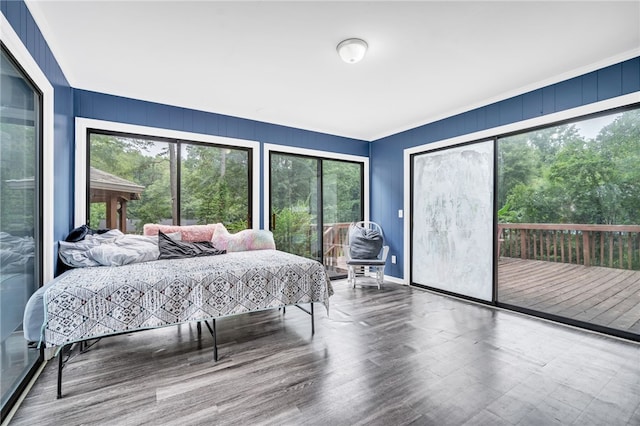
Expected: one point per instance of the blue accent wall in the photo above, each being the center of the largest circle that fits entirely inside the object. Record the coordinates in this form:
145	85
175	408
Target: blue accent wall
386	154
101	106
20	19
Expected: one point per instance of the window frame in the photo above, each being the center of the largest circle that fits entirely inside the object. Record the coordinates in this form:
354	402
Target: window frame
317	155
84	127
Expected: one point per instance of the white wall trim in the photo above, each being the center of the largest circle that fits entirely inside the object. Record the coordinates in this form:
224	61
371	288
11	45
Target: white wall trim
548	119
311	153
30	66
82	124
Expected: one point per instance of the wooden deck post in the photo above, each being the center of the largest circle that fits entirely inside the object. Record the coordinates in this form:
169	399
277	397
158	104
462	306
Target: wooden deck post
122	219
112	212
523	244
586	247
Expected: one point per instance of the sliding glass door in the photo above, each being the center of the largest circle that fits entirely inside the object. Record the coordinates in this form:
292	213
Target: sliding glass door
568	207
452	219
312	202
20	221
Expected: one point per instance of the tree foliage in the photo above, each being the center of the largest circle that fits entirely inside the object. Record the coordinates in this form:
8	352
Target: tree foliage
213	181
296	203
556	175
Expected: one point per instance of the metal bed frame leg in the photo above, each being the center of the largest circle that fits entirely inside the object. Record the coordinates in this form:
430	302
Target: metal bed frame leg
215	341
313	327
60	367
310	312
212	330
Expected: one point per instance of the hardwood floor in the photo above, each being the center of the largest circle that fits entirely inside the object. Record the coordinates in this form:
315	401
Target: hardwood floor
603	296
385	357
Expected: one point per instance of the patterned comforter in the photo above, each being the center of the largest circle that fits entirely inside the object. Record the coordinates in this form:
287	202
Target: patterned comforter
98	301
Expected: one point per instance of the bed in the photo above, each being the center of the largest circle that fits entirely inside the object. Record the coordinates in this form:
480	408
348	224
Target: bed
93	302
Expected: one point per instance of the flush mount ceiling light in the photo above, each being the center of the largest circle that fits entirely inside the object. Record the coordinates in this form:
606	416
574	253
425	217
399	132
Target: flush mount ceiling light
352	50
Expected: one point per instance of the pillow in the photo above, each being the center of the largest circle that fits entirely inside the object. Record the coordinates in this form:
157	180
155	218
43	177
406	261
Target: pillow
110	248
79	233
188	232
128	249
76	254
248	239
364	243
177	236
172	249
220	238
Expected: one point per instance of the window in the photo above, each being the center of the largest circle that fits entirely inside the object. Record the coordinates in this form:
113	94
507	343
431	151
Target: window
135	180
20	220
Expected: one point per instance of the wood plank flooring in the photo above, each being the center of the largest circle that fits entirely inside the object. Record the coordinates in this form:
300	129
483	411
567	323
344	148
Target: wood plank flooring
394	356
603	296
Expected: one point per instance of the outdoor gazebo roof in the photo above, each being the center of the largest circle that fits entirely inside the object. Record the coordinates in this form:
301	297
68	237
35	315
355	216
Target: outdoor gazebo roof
99	179
108	182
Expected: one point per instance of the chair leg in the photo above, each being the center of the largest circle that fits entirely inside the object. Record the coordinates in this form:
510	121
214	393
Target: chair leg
351	276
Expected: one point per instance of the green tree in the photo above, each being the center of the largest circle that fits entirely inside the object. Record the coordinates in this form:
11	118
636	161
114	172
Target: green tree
342	183
557	175
619	143
293	231
518	163
215	182
144	162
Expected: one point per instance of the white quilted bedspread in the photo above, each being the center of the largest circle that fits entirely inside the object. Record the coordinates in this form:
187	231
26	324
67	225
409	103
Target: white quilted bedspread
98	301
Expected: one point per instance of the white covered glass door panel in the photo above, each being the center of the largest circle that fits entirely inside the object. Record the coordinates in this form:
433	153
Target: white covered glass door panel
452	229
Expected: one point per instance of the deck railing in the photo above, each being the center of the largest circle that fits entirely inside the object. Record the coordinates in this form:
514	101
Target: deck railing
335	237
613	246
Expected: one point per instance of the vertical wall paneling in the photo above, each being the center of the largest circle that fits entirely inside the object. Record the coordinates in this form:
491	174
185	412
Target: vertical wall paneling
531	104
568	94
510	110
549	100
590	88
630	76
610	82
100	106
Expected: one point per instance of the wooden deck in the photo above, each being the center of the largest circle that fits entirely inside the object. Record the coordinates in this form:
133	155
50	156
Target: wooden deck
603	296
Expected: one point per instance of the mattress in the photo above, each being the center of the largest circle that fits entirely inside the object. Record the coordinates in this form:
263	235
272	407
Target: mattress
92	302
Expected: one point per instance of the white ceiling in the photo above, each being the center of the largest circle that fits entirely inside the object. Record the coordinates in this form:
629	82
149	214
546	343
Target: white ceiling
276	61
